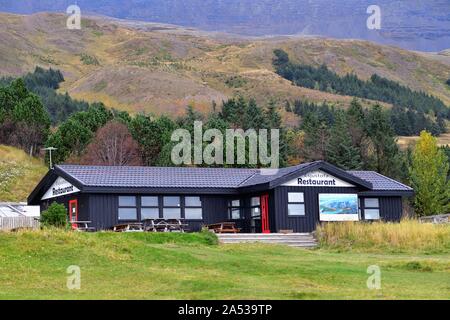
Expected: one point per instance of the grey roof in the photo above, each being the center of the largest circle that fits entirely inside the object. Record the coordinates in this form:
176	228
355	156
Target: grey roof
268	175
380	182
189	177
160	177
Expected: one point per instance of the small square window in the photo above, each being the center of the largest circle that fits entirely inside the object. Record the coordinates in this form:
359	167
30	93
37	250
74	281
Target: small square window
149	201
235	203
193	213
149	213
172	213
193	202
172	202
371	203
372	214
235	214
127	213
127	201
256	201
255	212
296	209
295	197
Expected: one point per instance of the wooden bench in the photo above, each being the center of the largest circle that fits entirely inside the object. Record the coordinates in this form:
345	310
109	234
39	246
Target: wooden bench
82	226
129	227
162	225
223	227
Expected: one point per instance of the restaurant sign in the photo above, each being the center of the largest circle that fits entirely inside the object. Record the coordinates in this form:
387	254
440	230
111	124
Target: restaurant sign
317	178
60	188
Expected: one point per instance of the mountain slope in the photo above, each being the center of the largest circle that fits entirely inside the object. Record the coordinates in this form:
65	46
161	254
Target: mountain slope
411	24
139	66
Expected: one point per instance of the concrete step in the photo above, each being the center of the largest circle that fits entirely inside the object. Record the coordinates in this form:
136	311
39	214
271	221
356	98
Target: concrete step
299	240
268	241
264	234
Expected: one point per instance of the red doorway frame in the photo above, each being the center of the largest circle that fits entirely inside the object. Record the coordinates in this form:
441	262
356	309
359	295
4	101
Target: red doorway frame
265	213
73	204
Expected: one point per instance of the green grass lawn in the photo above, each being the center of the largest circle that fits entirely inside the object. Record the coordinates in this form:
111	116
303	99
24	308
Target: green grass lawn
190	266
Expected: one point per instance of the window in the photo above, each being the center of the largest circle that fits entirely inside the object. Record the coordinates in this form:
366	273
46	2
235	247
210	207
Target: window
127	208
193	208
149	208
234	209
371	209
172	202
172	207
255	209
296	204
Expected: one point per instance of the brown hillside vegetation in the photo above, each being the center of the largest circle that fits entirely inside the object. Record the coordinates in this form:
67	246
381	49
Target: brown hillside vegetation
157	68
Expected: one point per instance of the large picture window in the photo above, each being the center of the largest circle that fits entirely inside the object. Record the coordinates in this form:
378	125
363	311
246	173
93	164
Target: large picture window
127	208
371	209
149	207
193	208
234	209
172	207
296	204
338	207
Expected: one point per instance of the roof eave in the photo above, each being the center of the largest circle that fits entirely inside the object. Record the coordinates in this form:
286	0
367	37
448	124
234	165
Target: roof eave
393	193
322	165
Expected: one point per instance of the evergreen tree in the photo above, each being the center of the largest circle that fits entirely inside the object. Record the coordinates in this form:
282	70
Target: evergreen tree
376	88
429	171
385	157
254	117
341	151
356	124
315	138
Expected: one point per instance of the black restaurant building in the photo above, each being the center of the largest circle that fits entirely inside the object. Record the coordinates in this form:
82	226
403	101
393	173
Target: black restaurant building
293	199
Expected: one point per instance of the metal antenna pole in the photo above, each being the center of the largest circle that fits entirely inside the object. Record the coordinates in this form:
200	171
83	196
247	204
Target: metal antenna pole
50	149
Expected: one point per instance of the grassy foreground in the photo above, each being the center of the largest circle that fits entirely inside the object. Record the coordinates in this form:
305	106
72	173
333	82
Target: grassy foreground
33	265
409	236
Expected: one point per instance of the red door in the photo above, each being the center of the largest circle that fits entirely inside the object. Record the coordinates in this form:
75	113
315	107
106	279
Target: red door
73	212
265	214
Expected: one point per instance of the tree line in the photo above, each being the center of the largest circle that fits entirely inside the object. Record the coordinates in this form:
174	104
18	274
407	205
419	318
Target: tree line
404	121
44	83
354	139
413	111
24	121
88	136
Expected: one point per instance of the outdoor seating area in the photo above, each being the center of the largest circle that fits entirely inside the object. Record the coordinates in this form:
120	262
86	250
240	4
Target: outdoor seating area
82	226
153	225
223	227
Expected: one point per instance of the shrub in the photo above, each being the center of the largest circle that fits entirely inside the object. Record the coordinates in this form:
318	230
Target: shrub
406	236
55	216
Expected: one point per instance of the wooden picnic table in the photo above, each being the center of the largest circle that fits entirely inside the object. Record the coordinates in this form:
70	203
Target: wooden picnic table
129	227
82	226
223	227
164	225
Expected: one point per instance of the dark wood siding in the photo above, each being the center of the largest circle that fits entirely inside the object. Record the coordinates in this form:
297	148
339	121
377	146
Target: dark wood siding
391	208
305	223
103	210
214	210
83	204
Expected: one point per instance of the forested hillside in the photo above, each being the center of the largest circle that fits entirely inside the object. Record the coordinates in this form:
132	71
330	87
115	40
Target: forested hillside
44	84
412	111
